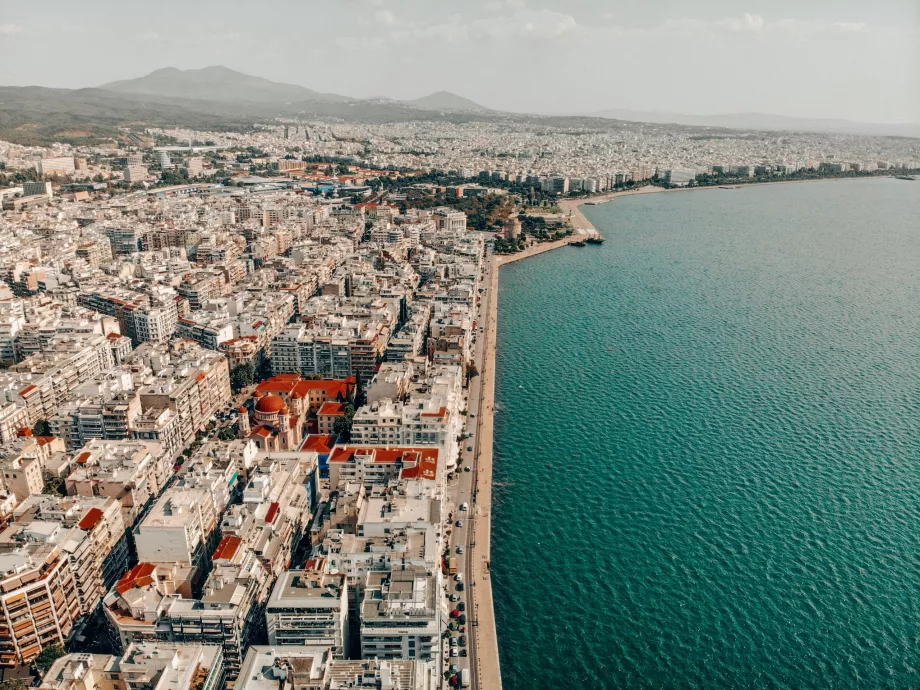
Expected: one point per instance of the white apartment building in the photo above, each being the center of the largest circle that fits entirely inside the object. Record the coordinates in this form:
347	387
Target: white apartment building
308	608
401	615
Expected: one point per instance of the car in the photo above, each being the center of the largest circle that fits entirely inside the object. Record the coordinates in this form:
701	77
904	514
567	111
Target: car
458	577
466	469
472	414
461	606
470	448
459	549
455	668
462	641
463	652
464	507
453	642
459	523
459	586
453	651
455	597
462	619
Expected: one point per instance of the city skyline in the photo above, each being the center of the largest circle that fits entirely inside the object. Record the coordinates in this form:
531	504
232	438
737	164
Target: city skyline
842	60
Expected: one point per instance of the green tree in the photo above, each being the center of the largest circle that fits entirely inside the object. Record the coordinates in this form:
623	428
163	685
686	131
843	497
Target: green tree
48	656
242	376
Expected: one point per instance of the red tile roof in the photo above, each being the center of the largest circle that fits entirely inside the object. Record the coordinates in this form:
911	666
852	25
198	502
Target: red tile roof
417	463
91	519
139	576
331	409
227	548
319	443
272	512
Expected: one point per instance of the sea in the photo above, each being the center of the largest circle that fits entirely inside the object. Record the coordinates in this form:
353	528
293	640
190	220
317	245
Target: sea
707	444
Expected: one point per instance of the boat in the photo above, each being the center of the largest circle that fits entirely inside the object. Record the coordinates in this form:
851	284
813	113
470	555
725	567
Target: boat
595	240
911	178
726	186
579	243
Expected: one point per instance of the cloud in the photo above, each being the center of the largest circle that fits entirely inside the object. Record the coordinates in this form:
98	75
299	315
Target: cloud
10	29
541	25
851	27
749	22
385	17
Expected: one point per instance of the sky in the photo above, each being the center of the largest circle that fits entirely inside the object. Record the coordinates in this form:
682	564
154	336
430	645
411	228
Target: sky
852	59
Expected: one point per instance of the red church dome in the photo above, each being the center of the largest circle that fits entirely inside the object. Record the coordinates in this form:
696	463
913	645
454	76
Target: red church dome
270	404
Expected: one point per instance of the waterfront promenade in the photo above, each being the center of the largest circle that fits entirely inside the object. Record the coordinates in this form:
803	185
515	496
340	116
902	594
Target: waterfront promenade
484	659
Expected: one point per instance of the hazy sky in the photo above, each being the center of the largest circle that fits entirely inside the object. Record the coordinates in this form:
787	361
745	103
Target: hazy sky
858	59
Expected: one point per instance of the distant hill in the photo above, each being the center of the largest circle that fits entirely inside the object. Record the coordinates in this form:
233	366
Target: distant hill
218	84
765	121
444	100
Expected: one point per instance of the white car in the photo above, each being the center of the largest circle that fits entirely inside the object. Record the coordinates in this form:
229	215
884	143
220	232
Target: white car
458	577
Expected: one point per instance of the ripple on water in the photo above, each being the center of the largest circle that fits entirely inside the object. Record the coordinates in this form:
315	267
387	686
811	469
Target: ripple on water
707	450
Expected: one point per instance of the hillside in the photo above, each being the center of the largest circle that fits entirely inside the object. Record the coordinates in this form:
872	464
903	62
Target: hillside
444	100
766	122
218	84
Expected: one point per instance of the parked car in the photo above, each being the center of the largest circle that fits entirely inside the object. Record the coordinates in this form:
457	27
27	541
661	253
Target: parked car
470	448
455	597
459	523
461	606
459	577
462	640
462	619
459	586
459	549
466	469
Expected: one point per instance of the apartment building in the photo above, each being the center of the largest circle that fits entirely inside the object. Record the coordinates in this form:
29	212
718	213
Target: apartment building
315	668
132	472
400	615
38	601
378	465
180	528
143	666
90	533
308	608
195	385
149	603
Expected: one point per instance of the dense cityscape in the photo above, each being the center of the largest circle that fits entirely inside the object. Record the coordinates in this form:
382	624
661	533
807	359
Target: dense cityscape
242	387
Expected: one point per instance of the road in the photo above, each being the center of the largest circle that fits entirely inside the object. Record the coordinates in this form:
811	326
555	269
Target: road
461	491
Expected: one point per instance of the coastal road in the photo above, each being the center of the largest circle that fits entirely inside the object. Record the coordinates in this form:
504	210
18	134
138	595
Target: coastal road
474	488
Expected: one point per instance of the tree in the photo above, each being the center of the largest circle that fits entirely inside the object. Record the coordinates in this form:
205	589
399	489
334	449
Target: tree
41	428
227	433
13	684
48	656
242	376
341	428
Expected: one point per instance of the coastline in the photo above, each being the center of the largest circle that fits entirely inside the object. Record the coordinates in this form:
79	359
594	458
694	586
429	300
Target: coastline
488	668
572	207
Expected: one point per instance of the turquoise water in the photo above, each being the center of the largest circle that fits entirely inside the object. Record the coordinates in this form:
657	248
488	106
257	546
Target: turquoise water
708	445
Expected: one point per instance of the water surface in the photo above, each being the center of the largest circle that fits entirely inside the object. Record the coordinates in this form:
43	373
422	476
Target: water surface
708	445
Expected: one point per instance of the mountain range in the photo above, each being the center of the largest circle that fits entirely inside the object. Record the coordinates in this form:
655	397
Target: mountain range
221	98
765	122
226	85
